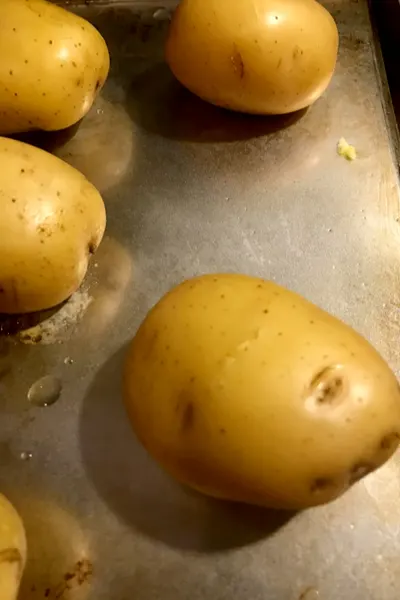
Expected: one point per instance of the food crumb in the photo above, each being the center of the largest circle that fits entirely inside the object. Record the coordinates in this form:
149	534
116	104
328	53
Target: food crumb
80	574
346	150
56	326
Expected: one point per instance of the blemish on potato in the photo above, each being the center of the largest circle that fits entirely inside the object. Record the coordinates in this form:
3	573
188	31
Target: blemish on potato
92	247
359	471
10	555
389	441
237	62
321	484
186	410
187	416
326	388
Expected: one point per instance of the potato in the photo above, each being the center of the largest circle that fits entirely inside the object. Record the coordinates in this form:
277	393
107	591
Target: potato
248	392
53	63
52	220
12	550
263	56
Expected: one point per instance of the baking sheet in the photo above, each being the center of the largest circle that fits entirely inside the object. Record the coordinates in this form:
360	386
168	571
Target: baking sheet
190	189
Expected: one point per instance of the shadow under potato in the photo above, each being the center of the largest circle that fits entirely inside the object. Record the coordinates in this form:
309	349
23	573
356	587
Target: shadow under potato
158	103
146	498
51	141
16	323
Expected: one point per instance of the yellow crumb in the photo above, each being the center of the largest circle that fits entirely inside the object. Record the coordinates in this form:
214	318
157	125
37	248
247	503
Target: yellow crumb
346	150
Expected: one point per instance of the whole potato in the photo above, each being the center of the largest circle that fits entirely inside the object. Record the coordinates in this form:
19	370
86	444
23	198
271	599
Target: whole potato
246	391
52	220
263	56
12	550
53	63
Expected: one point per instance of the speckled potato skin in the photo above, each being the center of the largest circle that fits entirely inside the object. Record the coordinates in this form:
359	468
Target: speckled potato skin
248	392
12	550
53	63
52	220
254	56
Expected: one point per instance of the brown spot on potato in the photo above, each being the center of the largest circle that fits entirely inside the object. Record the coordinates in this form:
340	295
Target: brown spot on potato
238	64
185	409
326	388
92	247
296	52
321	484
10	555
265	311
98	85
389	441
359	471
222	431
188	414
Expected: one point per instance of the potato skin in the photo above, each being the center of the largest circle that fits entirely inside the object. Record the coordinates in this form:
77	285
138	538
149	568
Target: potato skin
12	550
254	56
52	220
53	63
248	392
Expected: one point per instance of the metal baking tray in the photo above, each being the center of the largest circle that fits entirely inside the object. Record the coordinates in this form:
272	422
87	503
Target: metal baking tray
191	189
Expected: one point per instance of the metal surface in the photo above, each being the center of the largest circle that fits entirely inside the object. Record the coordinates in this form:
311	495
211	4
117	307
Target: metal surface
189	189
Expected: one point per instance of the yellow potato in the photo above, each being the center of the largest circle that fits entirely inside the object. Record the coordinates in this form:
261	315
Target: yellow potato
53	63
263	56
52	220
12	550
246	391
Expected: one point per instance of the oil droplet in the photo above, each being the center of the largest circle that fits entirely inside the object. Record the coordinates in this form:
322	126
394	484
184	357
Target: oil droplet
310	594
45	391
26	455
162	14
